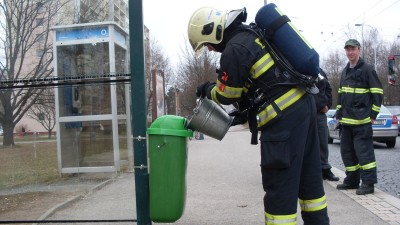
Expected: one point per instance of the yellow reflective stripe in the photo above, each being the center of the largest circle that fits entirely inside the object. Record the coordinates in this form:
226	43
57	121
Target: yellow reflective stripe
214	95
313	205
376	108
353	168
280	219
282	102
229	92
245	90
261	66
354	90
376	90
259	43
355	122
369	166
338	107
361	90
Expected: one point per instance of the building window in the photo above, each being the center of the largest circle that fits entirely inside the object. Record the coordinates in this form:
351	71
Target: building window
40	7
39	53
41	69
39	22
40	38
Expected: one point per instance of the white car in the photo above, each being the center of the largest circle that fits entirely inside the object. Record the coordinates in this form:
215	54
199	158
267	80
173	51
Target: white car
395	110
385	127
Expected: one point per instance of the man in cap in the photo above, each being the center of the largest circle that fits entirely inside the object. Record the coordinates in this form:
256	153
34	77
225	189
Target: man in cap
358	104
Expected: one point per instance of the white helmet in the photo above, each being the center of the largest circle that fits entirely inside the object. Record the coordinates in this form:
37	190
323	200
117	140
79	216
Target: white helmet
206	26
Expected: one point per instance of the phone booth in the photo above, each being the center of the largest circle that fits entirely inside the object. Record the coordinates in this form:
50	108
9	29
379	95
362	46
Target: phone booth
93	118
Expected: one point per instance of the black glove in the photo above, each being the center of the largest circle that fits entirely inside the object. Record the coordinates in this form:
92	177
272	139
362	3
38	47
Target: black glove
202	89
238	117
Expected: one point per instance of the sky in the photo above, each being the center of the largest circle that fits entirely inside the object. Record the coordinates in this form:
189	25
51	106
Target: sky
325	24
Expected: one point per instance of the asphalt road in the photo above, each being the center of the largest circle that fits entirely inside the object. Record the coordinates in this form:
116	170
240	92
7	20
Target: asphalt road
387	163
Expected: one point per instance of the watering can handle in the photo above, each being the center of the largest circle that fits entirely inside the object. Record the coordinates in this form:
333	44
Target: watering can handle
200	99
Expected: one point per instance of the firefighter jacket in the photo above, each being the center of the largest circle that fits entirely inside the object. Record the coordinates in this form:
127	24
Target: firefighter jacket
248	74
360	94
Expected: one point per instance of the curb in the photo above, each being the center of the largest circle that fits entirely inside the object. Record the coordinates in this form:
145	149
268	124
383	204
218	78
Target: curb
72	200
383	205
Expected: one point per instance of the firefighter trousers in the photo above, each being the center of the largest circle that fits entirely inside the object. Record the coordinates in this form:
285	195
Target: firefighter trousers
357	150
291	167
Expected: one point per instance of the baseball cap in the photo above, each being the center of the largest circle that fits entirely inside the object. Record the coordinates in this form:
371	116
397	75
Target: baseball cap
352	42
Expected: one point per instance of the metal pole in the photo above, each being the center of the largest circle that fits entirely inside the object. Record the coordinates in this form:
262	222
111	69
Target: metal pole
362	37
139	114
375	57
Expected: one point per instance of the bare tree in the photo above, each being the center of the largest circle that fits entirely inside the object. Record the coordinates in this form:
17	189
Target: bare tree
88	11
333	66
192	71
43	111
156	60
27	52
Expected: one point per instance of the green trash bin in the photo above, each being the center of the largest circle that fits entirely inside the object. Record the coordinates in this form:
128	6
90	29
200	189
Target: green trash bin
167	144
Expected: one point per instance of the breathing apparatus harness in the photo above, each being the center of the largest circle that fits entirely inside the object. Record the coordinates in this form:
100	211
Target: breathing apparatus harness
290	76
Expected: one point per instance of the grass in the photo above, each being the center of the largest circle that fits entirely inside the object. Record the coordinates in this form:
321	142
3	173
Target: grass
28	163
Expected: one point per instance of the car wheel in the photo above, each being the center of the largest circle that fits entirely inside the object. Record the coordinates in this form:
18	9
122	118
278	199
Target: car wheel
391	143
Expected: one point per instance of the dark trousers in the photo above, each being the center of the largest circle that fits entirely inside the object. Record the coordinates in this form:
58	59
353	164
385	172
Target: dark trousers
290	163
357	149
323	140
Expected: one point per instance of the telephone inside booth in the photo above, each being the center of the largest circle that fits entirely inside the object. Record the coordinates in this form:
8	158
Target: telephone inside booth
73	105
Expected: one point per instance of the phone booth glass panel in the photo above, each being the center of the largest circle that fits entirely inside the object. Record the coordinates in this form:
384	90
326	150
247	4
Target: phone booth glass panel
92	107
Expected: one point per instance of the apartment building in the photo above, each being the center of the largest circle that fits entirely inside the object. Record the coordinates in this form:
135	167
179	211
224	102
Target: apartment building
75	12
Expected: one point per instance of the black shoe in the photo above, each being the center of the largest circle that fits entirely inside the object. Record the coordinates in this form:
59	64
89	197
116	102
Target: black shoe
345	186
365	189
328	175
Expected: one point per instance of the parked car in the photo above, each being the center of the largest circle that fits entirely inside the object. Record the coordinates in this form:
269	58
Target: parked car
395	110
385	129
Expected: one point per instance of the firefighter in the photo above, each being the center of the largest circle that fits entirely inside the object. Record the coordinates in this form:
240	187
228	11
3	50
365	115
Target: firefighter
358	104
285	115
323	101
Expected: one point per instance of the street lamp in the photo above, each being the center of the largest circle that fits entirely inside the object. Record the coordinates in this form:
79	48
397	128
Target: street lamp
362	34
362	37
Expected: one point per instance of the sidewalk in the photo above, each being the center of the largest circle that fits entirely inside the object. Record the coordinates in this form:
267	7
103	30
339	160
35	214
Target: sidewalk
224	187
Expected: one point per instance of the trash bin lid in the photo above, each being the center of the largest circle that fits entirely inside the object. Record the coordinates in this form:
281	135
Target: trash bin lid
170	125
